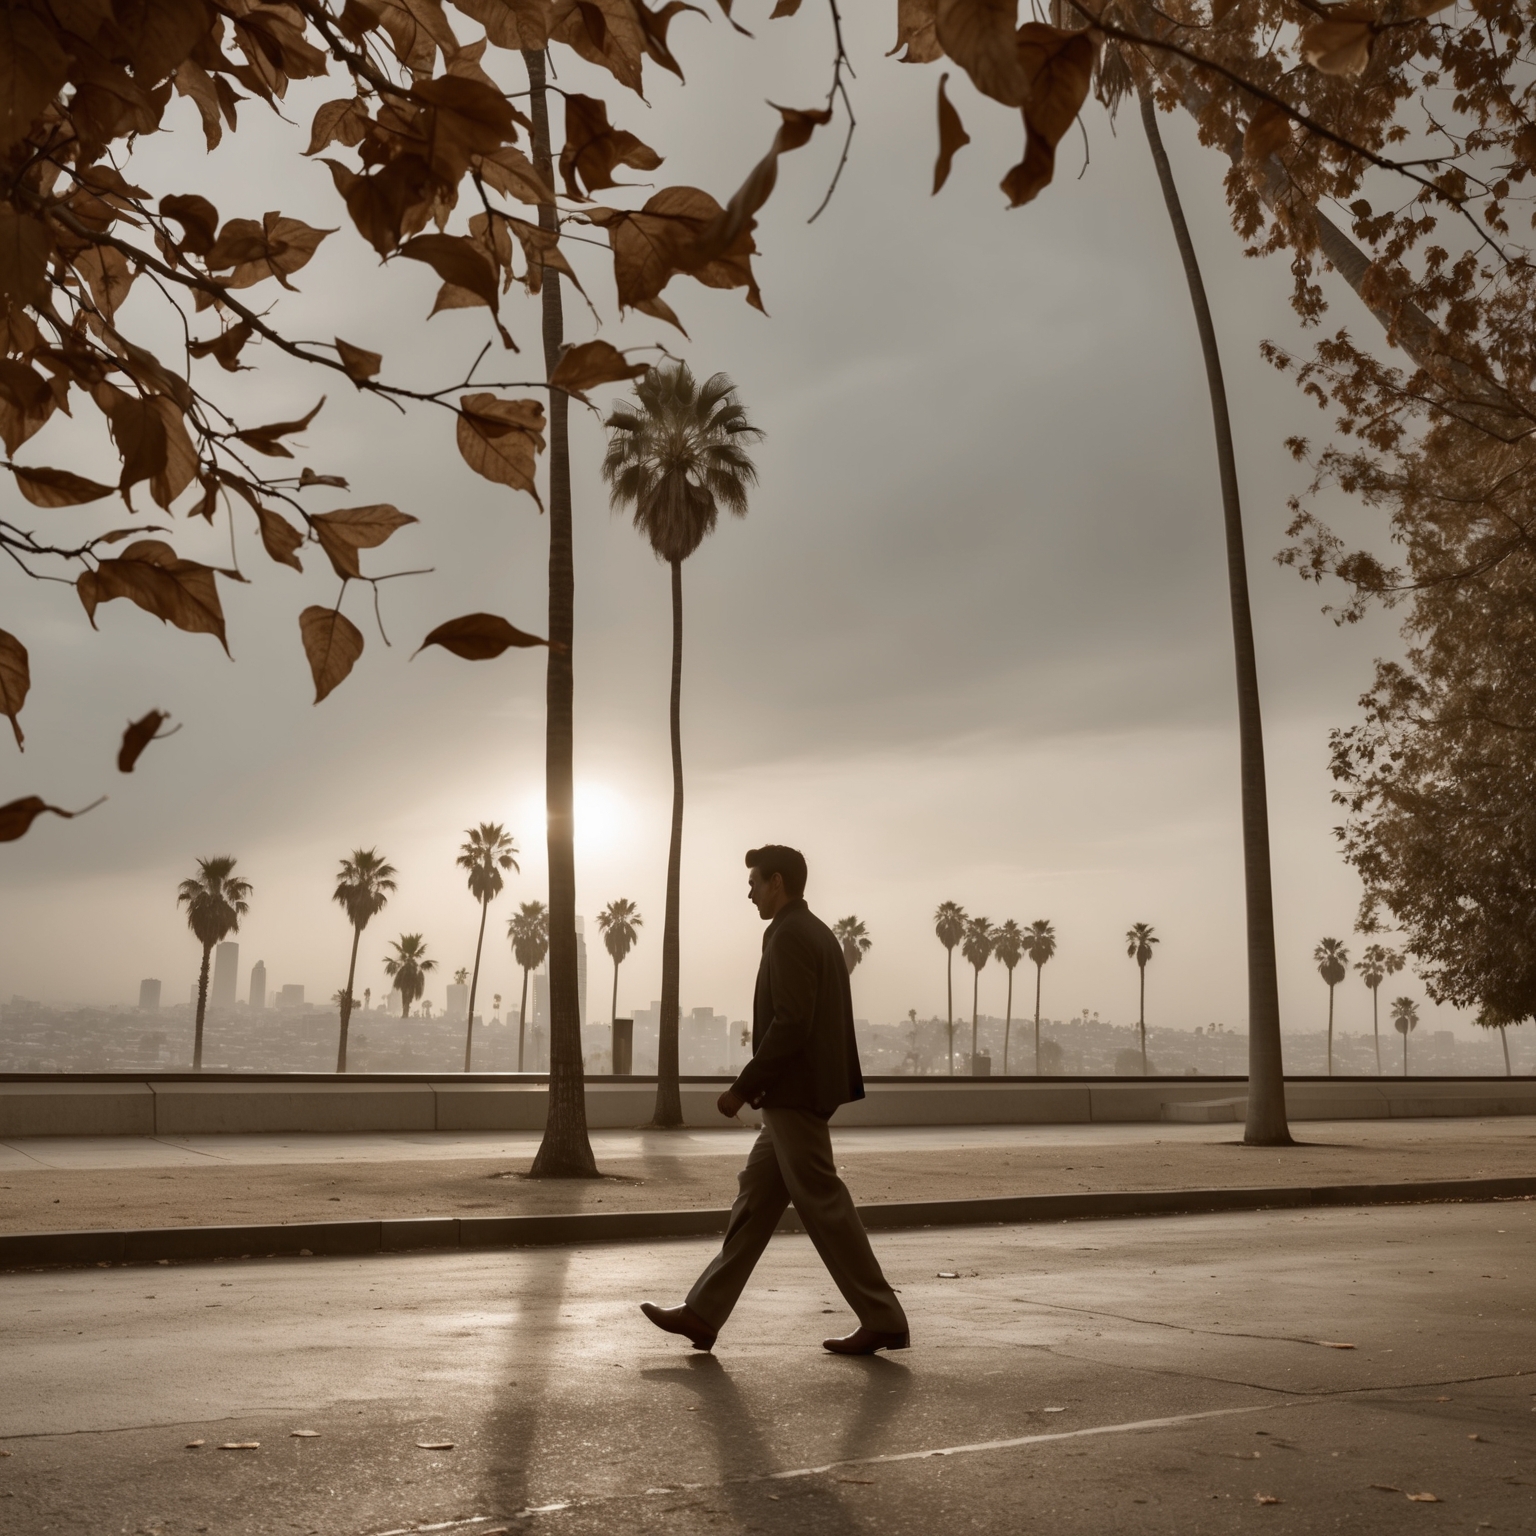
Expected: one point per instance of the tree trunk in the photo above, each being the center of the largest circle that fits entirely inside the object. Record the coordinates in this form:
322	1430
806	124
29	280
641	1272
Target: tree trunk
1141	1020
1504	1041
669	1101
949	992
613	1011
1008	1021
202	1008
522	1020
1376	1025
1039	967
1266	1125
975	994
1405	1053
474	983
1330	1030
566	1151
346	1003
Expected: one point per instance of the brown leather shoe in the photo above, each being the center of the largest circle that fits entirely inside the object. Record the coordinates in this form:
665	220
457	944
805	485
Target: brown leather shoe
683	1320
865	1341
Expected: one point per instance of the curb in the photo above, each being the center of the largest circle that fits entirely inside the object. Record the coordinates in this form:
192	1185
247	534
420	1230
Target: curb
38	1250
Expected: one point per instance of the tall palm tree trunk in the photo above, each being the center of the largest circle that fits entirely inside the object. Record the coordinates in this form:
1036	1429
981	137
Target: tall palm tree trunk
1266	1124
1405	1053
522	1020
1376	1025
975	994
949	992
669	1101
202	1009
1141	1019
1038	969
1504	1041
613	1010
474	982
1330	1031
1008	1021
566	1151
346	1002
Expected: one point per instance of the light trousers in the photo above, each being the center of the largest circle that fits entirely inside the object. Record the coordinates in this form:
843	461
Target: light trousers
791	1161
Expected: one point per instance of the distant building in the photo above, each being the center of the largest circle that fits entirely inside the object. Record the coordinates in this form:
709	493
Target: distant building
149	995
458	1002
581	973
541	999
226	968
291	996
259	984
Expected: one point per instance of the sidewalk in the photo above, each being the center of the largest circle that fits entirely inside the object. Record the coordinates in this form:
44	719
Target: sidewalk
83	1184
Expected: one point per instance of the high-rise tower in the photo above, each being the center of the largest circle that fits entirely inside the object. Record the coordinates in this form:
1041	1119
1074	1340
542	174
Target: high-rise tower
226	968
259	984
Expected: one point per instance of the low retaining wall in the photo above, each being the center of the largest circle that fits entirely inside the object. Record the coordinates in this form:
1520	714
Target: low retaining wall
185	1105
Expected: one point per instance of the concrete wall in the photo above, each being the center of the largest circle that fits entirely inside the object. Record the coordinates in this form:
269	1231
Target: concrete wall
175	1105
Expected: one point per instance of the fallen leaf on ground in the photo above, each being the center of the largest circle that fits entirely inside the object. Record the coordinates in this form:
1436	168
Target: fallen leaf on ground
1265	1498
948	1274
1053	1410
434	1445
1474	1437
303	1434
1332	1344
192	1445
1425	1498
241	1445
1386	1488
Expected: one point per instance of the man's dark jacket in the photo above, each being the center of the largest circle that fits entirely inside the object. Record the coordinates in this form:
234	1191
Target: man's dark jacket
804	1055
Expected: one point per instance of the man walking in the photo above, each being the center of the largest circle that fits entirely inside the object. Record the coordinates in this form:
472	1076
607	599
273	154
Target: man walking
805	1062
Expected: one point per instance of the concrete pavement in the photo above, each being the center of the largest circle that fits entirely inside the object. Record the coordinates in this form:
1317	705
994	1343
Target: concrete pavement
1160	1375
84	1183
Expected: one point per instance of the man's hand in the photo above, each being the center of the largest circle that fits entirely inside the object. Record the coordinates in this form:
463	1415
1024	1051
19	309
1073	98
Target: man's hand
730	1103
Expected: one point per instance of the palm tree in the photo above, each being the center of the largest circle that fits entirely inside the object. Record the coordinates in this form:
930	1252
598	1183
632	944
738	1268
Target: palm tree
1008	947
364	884
851	933
486	854
565	1150
367	998
426	1007
1332	965
1405	1016
1139	940
1039	945
1375	964
976	946
949	922
1266	1122
1489	1017
529	933
216	899
617	923
677	455
408	968
496	1003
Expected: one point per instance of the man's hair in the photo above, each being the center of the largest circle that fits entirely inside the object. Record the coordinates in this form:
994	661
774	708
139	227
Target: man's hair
775	859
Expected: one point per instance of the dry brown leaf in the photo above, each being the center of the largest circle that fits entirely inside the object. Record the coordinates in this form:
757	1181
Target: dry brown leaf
32	68
150	574
592	363
107	274
279	537
501	439
358	361
605	32
303	1434
26	402
515	24
458	261
915	31
477	637
198	218
1424	1498
192	1445
1386	1487
25	246
241	1445
332	642
19	815
344	532
1058	67
1265	1498
952	136
277	247
1340	45
265	439
225	347
510	172
1332	1344
15	681
434	1445
1268	132
138	736
339	122
594	149
979	36
57	487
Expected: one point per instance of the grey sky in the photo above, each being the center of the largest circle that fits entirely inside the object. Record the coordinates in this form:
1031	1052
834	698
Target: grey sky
971	642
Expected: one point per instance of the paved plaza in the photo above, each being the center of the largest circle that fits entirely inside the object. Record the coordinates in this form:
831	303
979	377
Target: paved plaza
1173	1374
